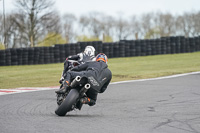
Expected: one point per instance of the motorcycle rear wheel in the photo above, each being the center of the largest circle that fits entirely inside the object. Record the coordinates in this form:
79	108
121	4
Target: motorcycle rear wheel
67	104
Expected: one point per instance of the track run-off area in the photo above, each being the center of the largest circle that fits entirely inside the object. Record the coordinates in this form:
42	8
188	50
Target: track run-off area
161	105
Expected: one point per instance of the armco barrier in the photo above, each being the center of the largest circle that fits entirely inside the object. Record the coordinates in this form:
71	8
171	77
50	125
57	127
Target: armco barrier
123	48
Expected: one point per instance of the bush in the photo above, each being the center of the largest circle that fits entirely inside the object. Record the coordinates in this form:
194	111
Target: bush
2	46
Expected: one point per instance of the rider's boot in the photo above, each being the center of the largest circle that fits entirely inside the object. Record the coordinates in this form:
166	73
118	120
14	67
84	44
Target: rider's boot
79	105
87	100
63	89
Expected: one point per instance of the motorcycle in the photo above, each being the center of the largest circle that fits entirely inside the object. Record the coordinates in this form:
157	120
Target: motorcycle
71	99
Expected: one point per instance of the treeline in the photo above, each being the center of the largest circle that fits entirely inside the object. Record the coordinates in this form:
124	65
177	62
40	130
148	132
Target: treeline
37	23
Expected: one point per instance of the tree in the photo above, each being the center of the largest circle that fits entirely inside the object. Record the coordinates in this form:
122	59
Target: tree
152	33
195	18
10	32
107	25
68	26
135	27
166	24
51	39
184	24
146	23
180	25
107	38
122	28
2	46
92	24
37	17
1	30
85	38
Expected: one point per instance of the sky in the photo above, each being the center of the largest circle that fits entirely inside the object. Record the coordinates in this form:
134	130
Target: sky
116	7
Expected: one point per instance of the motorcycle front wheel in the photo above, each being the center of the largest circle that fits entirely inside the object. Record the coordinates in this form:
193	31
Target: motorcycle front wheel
67	104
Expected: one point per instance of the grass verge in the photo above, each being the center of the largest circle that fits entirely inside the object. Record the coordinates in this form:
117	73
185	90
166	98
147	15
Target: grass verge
122	69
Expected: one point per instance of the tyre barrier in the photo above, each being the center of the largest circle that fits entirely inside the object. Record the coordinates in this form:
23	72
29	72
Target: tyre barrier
8	57
123	48
2	58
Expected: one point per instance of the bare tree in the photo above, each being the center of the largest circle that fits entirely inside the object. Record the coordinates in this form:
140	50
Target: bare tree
92	24
96	24
122	28
1	29
135	27
195	18
83	22
184	22
37	17
180	25
107	23
166	24
68	26
146	23
197	23
7	35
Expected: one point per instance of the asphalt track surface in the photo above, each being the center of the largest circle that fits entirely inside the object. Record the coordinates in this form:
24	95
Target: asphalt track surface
158	106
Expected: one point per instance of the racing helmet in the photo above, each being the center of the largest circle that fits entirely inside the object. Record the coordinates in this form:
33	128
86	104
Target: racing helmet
89	50
102	57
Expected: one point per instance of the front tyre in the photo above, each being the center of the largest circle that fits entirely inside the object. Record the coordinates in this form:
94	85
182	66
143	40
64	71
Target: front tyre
66	105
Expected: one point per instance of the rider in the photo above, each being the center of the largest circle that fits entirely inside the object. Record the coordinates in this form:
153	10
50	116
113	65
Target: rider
87	55
98	74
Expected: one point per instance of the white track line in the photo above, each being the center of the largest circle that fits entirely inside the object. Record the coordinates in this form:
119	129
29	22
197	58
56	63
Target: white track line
31	89
165	77
24	89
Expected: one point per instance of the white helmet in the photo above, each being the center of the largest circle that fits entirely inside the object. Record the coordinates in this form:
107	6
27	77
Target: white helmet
89	50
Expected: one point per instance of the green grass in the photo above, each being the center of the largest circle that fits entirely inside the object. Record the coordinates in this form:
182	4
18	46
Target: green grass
122	69
154	66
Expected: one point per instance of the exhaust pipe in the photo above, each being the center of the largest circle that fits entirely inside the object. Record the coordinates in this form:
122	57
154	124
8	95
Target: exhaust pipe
87	86
75	81
78	78
85	89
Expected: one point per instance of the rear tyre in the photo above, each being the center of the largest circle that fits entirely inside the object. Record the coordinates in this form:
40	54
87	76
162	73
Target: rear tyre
67	104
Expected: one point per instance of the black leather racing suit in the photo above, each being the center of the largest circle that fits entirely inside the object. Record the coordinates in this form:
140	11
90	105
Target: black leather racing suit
81	58
98	74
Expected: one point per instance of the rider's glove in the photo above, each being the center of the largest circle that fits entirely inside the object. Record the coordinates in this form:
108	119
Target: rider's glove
61	80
